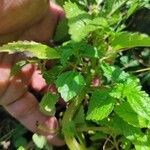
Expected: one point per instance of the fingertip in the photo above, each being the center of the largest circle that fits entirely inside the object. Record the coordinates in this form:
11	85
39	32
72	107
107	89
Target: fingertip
57	10
50	129
37	83
55	140
49	126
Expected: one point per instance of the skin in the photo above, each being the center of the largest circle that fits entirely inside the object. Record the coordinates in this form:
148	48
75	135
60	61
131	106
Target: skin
37	22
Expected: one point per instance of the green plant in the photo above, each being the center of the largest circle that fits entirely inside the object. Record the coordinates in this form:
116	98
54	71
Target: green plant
107	106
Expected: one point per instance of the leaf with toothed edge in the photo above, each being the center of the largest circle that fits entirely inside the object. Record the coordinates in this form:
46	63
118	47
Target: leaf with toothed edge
70	84
33	49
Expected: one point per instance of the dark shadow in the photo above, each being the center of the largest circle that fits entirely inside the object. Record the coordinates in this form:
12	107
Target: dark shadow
139	21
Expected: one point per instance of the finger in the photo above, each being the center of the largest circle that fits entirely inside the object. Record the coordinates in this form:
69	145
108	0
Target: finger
43	31
18	85
27	112
38	83
25	12
14	87
57	9
55	140
5	69
9	37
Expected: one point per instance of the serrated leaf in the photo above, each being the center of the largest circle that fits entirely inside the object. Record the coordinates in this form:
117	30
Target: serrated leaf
139	100
77	21
70	84
33	49
129	115
142	142
89	25
88	51
100	106
72	10
117	91
51	75
71	50
135	135
81	23
121	89
77	49
119	127
39	140
47	104
114	73
126	40
77	26
97	23
67	51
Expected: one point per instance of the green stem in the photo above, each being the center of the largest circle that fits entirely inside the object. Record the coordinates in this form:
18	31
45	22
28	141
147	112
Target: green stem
141	70
8	135
115	143
86	129
67	118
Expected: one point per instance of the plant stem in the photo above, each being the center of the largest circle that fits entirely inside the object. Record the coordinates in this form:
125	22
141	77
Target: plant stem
67	119
107	140
115	143
85	129
7	136
141	70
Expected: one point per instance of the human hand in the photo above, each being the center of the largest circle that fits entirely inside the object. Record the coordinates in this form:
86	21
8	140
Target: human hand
14	94
28	20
